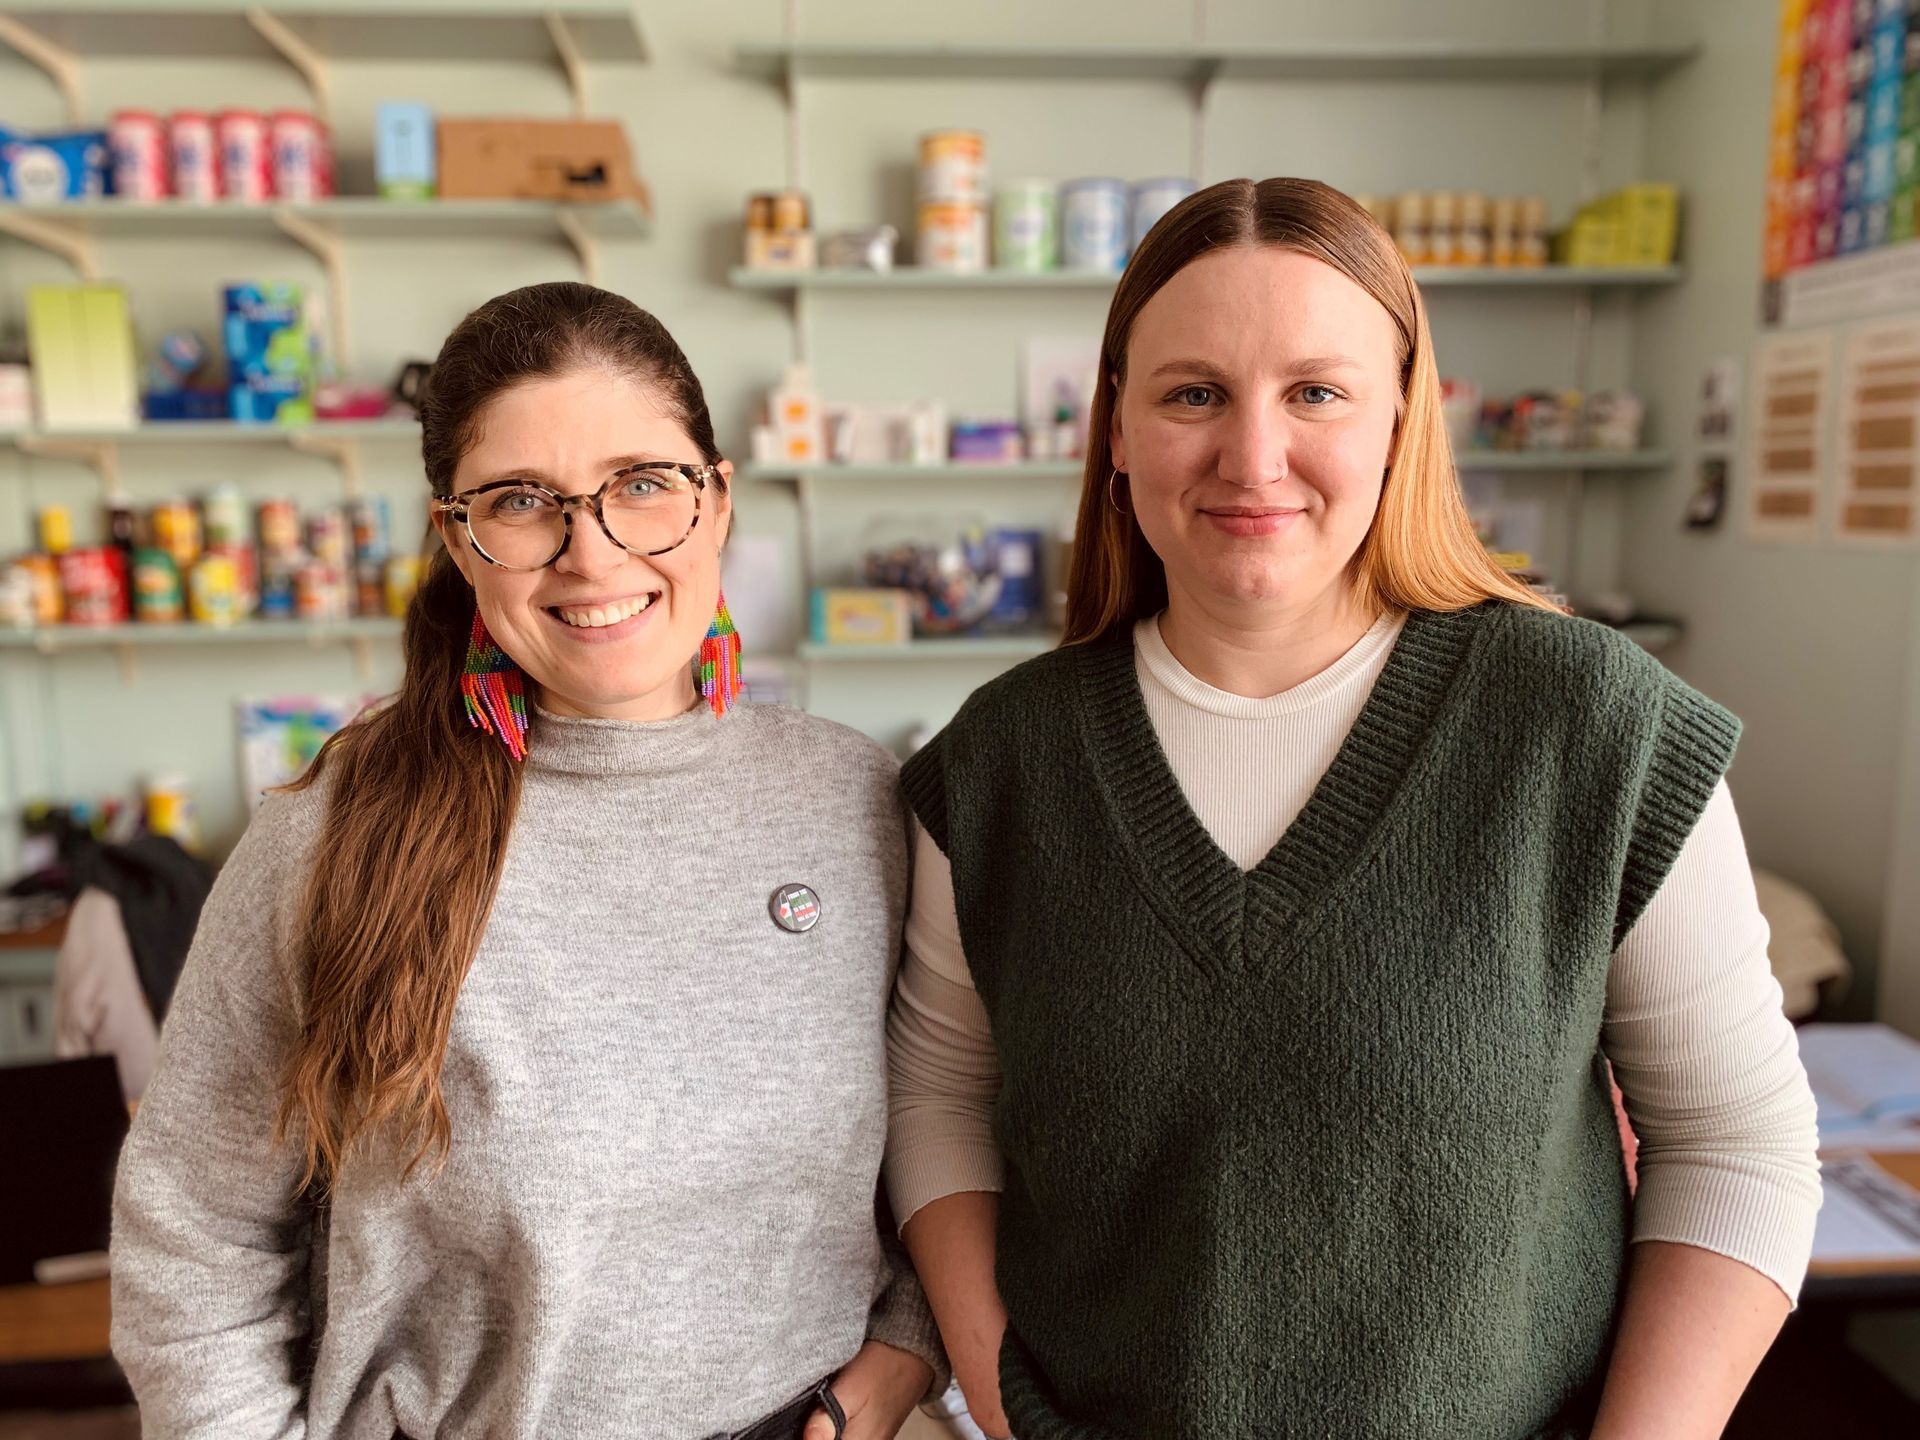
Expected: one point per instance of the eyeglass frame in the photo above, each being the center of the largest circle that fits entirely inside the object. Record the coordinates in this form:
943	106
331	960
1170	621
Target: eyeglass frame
460	507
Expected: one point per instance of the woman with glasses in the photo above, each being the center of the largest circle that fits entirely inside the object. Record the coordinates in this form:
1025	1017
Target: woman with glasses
527	1077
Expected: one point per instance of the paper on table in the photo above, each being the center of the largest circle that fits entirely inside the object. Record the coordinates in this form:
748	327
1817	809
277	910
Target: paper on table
1865	1214
1866	1082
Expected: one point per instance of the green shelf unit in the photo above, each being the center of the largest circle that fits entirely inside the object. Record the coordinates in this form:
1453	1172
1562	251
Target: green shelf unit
1199	65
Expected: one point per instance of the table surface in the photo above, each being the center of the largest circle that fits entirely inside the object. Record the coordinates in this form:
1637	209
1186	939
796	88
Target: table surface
70	1322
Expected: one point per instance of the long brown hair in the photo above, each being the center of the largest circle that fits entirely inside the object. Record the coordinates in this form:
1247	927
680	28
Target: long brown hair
1420	553
408	857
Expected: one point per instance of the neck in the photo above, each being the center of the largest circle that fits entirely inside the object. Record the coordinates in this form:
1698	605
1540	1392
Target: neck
1258	651
666	703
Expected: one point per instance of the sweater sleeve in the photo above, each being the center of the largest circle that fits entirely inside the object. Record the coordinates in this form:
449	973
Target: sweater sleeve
943	1074
901	1316
210	1238
1710	1068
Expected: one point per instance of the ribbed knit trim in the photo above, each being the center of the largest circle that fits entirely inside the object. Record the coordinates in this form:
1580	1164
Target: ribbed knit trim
1200	893
923	781
1692	747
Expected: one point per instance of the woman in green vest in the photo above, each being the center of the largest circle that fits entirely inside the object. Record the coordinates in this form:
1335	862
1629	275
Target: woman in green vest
1275	941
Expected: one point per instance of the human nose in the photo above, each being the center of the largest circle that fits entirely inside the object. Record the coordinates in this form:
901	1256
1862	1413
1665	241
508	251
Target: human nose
590	551
1253	446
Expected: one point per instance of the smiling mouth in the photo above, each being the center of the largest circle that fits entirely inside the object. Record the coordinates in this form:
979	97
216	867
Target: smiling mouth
598	617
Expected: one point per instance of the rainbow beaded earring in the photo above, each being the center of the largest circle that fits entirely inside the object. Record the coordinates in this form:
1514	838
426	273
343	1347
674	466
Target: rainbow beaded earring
495	690
717	671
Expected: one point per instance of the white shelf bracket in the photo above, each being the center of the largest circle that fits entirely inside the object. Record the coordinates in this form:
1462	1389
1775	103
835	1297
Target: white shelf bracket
71	243
61	65
343	452
586	247
103	456
325	245
294	49
572	62
129	659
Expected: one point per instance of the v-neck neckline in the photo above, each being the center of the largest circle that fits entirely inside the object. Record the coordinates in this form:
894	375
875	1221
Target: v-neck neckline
1200	893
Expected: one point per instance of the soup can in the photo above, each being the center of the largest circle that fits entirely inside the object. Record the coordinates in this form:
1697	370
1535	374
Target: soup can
138	143
1148	201
226	516
1026	226
213	591
1093	224
953	168
279	522
953	237
195	155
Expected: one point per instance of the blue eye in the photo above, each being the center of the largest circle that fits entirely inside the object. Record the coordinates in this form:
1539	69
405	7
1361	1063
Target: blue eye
1308	392
1185	396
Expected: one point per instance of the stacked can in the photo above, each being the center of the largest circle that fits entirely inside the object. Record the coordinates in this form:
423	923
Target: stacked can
246	156
194	149
367	518
953	200
1026	226
1093	224
137	142
281	554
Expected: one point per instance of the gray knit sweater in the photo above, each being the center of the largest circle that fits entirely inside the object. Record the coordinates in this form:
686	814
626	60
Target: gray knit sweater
657	1216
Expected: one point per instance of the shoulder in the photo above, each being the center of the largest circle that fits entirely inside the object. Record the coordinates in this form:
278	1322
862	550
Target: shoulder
781	731
1562	654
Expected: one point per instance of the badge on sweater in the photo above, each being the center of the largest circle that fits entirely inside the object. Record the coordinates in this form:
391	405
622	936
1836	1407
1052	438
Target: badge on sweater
795	908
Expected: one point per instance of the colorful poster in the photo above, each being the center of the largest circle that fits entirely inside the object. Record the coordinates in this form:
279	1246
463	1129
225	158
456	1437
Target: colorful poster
1879	497
1791	380
1843	159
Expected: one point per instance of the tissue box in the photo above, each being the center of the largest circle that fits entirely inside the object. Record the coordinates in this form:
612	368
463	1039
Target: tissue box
403	151
270	359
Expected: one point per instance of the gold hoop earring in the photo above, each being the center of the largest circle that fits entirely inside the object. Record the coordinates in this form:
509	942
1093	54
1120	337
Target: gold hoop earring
1112	476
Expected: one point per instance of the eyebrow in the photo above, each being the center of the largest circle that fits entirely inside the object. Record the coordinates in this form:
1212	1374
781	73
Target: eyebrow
1192	365
618	462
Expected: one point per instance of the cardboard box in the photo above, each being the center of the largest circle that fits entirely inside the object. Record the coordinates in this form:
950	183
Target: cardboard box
860	616
536	160
80	340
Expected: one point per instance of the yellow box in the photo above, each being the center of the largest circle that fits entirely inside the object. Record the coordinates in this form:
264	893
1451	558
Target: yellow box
862	616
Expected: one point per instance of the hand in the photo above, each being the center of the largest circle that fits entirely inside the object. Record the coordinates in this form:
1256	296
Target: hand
878	1389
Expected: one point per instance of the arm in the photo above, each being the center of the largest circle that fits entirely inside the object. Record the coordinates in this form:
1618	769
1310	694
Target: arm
1729	1178
209	1234
943	1171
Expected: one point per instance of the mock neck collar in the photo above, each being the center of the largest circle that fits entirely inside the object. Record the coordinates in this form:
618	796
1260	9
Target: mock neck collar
572	745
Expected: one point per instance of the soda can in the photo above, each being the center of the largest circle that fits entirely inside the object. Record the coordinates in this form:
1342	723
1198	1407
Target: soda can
327	538
226	516
214	591
302	167
170	812
246	160
157	596
137	141
368	517
402	579
279	525
175	528
56	529
196	156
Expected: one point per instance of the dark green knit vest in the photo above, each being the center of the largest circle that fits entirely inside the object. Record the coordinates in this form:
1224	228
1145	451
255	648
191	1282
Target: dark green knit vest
1324	1148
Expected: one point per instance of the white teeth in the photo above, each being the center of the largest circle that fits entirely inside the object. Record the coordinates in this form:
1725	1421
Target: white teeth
596	617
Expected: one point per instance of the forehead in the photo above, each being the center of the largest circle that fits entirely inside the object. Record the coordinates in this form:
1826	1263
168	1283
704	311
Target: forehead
1252	305
567	426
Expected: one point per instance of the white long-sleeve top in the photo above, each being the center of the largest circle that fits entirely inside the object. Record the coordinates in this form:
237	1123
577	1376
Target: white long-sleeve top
1693	1024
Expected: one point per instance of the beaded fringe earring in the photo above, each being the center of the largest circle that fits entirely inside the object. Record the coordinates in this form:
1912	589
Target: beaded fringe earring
495	691
718	669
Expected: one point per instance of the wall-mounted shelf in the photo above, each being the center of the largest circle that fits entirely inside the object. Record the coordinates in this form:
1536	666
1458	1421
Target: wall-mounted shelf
311	35
1431	277
1194	65
1021	470
974	648
221	432
1559	461
53	639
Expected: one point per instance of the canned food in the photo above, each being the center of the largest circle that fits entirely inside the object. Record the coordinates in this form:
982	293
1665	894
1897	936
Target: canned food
1531	243
56	529
1148	201
195	154
16	598
1093	225
1026	226
246	566
276	588
953	237
1503	233
1443	228
94	587
953	168
327	538
790	212
318	592
175	528
368	518
122	529
138	143
157	594
279	522
1411	228
402	579
43	573
246	159
302	163
214	591
226	516
170	812
369	588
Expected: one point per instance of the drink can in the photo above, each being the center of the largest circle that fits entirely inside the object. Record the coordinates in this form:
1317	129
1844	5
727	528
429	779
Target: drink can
138	143
226	516
196	156
56	529
302	167
214	591
246	161
279	522
157	595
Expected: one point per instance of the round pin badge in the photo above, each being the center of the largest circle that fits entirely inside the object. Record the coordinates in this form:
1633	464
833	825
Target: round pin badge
795	908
